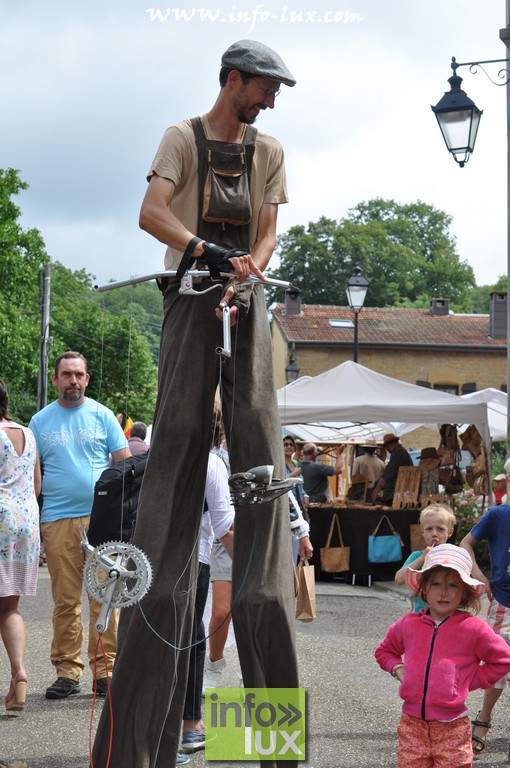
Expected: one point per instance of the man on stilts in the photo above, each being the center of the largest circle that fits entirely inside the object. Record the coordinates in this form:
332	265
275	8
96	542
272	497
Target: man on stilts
232	231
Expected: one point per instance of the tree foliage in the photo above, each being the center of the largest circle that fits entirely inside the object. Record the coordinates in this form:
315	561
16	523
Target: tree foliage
406	252
123	374
481	295
143	303
22	256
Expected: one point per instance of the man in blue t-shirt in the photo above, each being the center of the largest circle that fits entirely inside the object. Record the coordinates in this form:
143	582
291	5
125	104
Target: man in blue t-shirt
75	438
493	527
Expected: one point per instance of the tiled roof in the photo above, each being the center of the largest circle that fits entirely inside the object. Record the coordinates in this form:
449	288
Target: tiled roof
386	326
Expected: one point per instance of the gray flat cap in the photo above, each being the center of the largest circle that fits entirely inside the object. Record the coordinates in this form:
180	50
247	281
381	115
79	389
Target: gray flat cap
257	59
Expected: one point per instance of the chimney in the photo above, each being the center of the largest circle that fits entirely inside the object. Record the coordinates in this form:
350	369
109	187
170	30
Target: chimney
292	302
439	307
497	315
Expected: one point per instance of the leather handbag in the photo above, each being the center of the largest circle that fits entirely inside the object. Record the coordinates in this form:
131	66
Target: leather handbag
448	458
472	441
444	474
455	483
335	559
384	549
481	485
480	466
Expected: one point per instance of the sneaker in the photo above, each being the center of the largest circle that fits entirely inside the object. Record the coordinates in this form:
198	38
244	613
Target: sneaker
192	741
100	686
212	673
182	759
62	688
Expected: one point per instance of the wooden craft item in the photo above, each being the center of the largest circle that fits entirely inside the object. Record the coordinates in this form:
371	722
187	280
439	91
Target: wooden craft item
429	481
433	498
407	488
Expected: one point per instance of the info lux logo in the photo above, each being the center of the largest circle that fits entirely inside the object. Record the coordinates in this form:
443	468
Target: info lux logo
255	724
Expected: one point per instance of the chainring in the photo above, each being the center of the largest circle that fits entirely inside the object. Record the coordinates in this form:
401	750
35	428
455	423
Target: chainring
130	571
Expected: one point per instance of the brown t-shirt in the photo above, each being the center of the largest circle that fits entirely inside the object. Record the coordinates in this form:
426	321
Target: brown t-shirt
177	160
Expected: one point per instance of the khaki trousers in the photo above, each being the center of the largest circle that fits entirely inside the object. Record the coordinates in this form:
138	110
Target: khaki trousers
65	565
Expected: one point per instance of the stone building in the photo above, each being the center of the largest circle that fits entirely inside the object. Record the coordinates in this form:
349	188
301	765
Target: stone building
431	347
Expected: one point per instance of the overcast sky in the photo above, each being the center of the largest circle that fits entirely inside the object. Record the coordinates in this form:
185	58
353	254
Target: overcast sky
89	86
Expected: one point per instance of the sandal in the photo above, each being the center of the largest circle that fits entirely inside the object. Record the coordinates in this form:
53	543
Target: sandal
480	743
16	698
15	764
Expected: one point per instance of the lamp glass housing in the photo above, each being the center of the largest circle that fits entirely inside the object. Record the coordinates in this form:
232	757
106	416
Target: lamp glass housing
356	290
459	129
292	370
458	118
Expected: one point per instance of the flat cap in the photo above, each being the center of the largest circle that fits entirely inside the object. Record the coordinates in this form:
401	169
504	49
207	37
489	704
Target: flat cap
257	59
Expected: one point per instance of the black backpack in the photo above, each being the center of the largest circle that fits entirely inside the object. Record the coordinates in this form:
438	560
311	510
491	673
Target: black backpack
115	502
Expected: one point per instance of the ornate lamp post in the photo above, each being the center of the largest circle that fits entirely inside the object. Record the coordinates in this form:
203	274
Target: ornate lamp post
458	118
356	290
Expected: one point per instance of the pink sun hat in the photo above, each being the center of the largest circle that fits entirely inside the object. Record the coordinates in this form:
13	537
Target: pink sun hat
448	556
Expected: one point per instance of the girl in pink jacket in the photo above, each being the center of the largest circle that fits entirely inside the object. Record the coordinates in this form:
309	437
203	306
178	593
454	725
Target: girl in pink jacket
439	655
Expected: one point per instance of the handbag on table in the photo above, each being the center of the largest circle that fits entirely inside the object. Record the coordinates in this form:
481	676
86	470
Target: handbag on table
384	549
335	559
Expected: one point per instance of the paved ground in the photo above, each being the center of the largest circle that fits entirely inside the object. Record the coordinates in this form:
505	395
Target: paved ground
353	707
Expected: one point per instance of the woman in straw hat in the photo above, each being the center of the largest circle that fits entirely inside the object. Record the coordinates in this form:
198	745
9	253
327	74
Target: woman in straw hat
448	653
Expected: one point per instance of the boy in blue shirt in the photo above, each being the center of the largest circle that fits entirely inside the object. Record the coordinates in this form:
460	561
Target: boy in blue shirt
437	522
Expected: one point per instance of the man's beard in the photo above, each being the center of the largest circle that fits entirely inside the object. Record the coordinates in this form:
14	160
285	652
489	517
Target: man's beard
71	396
244	117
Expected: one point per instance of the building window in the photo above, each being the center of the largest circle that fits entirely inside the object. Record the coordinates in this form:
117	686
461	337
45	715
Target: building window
451	389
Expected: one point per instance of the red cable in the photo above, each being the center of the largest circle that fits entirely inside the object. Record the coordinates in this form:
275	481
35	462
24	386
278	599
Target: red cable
108	694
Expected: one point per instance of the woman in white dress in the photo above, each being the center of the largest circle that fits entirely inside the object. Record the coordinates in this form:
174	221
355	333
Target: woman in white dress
20	483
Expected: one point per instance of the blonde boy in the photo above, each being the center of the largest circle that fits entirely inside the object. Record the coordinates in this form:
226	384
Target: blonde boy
437	522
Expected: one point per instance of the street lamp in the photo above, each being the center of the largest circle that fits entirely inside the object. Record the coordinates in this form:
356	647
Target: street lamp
356	290
458	118
292	371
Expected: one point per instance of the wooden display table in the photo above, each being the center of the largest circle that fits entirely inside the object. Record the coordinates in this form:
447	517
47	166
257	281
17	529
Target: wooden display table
357	522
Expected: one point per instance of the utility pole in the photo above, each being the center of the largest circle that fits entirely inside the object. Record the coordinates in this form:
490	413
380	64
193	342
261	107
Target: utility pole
42	384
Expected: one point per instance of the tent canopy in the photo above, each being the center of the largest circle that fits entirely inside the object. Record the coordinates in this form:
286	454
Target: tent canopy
496	414
352	393
338	432
497	405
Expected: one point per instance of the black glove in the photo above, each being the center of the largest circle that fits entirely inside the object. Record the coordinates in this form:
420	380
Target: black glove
241	298
217	258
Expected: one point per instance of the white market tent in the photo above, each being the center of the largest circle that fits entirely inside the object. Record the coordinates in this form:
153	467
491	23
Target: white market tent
351	393
335	432
497	407
496	414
